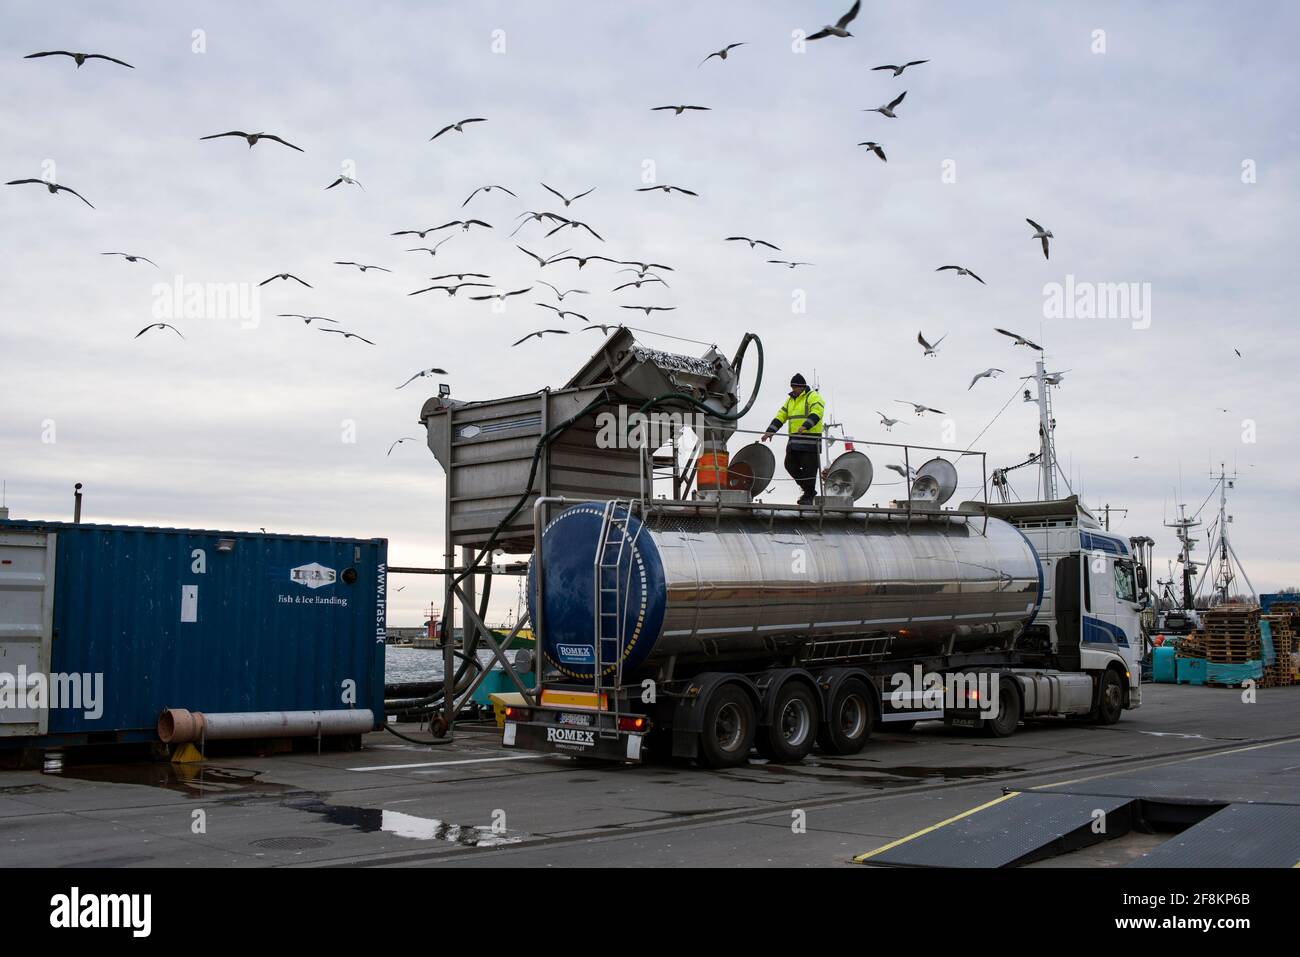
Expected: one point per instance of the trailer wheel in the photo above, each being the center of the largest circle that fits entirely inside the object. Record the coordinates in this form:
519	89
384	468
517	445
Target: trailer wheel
729	723
793	731
1009	708
1110	698
850	719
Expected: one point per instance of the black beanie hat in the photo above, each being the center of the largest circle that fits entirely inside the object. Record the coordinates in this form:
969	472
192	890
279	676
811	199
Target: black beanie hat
798	379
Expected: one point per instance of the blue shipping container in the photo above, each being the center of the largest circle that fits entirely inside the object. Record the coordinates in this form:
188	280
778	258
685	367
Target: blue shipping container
178	618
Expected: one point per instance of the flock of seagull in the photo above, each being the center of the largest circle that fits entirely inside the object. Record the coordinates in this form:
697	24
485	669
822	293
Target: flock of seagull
482	289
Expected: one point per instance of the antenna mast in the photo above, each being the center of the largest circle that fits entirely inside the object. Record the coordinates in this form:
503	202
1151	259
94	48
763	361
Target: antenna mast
1223	556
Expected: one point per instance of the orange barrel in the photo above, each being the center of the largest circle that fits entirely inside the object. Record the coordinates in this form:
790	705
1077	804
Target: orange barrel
711	471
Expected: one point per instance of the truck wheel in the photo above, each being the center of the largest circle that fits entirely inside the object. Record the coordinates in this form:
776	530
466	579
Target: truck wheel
850	719
1110	698
793	731
1008	717
728	733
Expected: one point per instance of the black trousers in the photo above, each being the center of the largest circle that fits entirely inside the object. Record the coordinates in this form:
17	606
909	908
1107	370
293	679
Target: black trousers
802	462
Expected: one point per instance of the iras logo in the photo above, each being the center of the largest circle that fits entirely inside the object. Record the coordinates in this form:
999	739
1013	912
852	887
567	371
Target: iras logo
314	575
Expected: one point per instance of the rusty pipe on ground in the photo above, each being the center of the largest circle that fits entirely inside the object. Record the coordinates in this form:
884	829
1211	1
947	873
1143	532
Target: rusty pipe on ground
179	726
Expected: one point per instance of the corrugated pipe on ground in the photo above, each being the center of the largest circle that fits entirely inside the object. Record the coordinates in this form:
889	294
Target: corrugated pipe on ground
178	726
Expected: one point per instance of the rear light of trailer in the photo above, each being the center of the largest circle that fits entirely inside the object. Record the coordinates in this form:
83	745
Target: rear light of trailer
516	713
630	723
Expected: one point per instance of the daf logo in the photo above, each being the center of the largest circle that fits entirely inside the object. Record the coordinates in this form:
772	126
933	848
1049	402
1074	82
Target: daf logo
583	739
314	575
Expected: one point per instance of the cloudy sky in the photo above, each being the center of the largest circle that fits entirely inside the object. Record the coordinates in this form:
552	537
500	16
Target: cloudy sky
1159	151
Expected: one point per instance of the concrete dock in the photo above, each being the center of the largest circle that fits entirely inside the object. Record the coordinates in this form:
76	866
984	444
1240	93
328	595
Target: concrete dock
471	803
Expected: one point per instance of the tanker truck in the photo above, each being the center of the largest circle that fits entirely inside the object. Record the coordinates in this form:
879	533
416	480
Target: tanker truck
704	629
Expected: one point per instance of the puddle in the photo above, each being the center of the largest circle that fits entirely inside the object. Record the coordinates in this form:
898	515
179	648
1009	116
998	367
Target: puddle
192	780
899	776
379	820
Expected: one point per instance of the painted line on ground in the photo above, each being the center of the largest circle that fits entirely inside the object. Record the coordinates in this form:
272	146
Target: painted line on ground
441	764
862	858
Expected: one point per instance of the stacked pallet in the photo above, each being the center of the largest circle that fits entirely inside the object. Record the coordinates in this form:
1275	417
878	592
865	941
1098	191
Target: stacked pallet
1192	645
1280	674
1231	642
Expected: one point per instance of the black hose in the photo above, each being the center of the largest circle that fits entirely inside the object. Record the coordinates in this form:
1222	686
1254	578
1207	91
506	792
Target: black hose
407	737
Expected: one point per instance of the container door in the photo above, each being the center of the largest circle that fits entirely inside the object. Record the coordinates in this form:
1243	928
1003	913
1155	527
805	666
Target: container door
26	629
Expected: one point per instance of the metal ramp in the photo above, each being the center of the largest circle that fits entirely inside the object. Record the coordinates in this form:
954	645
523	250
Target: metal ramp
1240	835
1016	829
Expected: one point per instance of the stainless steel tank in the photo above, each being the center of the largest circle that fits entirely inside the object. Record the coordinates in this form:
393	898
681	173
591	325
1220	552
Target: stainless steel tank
745	584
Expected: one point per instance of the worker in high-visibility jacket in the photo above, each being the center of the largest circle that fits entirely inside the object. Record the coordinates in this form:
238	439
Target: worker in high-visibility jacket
804	413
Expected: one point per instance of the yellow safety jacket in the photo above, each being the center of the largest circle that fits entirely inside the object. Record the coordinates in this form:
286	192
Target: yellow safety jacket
806	407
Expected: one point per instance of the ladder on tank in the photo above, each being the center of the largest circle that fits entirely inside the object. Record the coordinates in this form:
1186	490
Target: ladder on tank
610	594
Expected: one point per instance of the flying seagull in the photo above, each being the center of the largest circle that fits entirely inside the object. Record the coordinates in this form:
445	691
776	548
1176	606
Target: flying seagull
638	281
567	292
962	271
460	276
52	187
601	326
888	108
567	200
344	178
405	438
752	242
423	372
349	335
649	309
1041	233
464	224
580	260
285	275
562	312
544	261
574	224
784	262
921	409
839	29
877	149
986	374
485	189
535	216
458	126
500	296
898	70
539	333
416	232
1020	340
907	471
721	54
451	290
678	109
129	258
887	422
80	58
431	250
667	190
157	325
253	139
306	319
362	266
643	268
930	348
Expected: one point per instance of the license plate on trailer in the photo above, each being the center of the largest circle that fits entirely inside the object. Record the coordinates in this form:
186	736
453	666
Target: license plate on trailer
580	720
964	722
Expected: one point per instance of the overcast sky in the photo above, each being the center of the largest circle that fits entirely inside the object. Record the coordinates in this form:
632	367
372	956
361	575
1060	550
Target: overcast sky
1134	157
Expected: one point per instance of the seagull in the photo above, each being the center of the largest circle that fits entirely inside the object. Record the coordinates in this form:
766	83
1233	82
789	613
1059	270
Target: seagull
306	319
451	290
721	54
752	242
458	126
567	292
575	224
544	261
1020	340
460	276
464	224
839	29
638	281
157	325
501	296
644	268
678	109
888	108
349	335
601	326
1041	233
344	178
580	260
79	57
416	232
53	188
962	271
877	149
649	309
405	438
567	201
1054	378
431	250
129	258
362	266
906	471
667	190
485	189
930	348
539	333
1239	355
253	138
898	70
285	275
562	312
887	422
783	262
534	216
986	374
921	409
423	372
